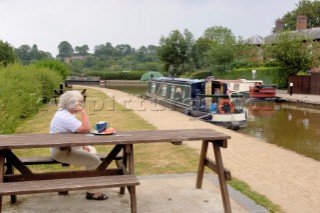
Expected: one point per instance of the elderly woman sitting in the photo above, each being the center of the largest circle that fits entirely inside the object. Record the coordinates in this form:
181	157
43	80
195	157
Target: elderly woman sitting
64	121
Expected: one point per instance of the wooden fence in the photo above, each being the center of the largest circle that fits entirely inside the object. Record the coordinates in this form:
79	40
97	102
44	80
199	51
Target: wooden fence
309	84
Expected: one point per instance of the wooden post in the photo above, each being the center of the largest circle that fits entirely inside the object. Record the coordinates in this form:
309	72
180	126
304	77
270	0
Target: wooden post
2	159
202	159
222	179
61	89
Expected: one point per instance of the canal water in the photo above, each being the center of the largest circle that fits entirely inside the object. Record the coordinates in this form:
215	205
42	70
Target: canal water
295	127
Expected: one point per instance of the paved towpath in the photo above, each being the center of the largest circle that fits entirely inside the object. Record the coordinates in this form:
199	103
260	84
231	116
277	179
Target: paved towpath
288	179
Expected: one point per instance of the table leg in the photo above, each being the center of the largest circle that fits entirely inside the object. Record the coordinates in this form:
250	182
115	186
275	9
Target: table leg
222	178
124	162
2	160
129	151
202	159
10	170
132	189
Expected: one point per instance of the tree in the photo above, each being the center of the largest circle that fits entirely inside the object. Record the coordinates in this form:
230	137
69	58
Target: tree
82	50
29	54
123	50
65	50
176	51
104	51
308	8
219	44
219	35
295	52
7	54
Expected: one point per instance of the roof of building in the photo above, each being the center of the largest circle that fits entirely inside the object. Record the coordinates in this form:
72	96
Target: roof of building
255	39
314	33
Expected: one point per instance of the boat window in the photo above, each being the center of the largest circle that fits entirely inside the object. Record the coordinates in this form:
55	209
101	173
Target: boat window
172	92
236	87
183	94
164	90
153	88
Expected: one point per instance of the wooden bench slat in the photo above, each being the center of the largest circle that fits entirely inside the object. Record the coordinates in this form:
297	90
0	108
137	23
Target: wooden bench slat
49	160
59	185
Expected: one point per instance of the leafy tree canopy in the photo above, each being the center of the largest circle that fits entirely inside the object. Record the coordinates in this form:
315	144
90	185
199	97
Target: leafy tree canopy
7	54
65	50
82	50
176	51
29	54
308	8
218	44
293	55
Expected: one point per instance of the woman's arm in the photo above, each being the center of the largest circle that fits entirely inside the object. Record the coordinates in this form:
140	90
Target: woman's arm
85	123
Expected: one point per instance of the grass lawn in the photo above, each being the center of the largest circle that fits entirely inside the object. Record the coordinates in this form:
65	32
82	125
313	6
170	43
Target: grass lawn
158	158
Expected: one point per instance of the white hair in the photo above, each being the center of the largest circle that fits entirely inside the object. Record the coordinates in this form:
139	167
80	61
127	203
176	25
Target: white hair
70	99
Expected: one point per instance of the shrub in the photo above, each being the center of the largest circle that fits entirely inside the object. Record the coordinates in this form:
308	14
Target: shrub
117	75
201	74
21	92
54	65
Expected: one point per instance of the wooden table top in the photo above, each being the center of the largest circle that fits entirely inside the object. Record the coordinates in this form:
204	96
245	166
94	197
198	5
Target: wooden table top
22	141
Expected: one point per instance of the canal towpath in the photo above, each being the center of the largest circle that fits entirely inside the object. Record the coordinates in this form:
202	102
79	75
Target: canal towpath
299	98
285	177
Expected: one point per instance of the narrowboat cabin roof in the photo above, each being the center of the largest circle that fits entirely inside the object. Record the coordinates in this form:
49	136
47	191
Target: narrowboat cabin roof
178	80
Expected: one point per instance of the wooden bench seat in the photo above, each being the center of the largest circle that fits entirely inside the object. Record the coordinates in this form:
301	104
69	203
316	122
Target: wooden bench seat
49	160
71	184
66	184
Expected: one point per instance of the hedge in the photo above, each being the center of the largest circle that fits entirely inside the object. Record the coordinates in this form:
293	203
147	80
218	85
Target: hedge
22	89
117	75
269	75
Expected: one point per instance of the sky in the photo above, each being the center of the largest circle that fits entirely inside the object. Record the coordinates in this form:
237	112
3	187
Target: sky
134	22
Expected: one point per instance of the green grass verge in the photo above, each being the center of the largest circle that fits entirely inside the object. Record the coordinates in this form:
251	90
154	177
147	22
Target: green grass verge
255	196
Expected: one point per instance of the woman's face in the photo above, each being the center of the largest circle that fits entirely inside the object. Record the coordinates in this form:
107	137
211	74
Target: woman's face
78	107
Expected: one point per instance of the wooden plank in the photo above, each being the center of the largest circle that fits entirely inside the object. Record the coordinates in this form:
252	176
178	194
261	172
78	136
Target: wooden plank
15	161
49	160
111	156
203	156
1	174
222	179
57	185
62	175
212	165
125	137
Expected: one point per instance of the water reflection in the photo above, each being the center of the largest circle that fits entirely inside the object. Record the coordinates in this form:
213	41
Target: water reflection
293	126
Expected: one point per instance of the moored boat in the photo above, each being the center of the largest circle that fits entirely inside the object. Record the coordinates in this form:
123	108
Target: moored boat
262	91
195	97
248	89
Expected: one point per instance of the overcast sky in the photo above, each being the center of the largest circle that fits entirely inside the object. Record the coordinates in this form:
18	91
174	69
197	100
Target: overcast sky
134	22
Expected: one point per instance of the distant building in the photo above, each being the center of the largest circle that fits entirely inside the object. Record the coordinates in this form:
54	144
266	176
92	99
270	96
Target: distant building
301	28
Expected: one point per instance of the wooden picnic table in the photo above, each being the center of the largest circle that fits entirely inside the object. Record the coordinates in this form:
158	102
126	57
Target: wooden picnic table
28	182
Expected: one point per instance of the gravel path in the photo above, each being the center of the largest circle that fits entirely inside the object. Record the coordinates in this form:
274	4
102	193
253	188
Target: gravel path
288	179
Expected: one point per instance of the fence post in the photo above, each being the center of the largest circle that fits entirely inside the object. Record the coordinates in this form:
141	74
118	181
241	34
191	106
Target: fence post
291	88
61	88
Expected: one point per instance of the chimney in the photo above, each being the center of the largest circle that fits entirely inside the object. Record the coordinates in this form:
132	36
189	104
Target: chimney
301	23
279	26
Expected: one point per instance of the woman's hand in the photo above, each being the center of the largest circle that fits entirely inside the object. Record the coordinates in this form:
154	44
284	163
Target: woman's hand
78	108
86	148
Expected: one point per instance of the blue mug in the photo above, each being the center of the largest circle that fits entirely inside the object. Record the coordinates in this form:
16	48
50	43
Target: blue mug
101	126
